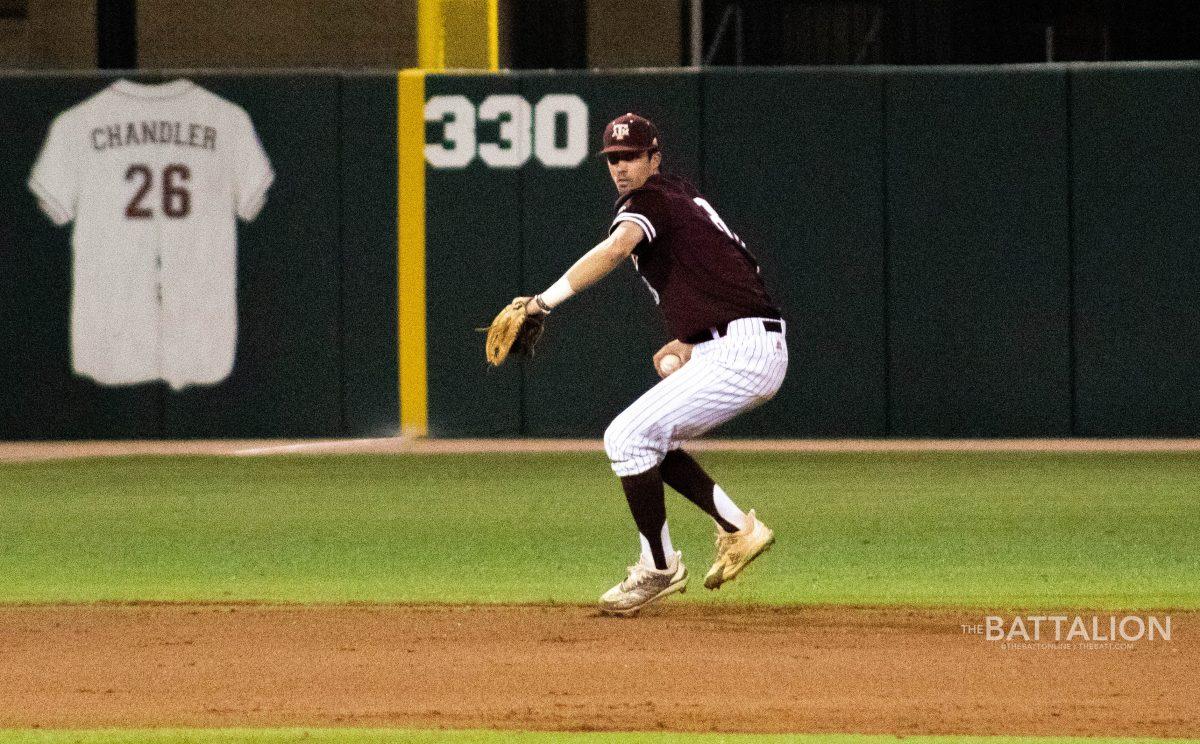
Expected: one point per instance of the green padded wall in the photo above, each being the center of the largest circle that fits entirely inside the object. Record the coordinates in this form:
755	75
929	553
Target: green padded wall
286	379
473	267
42	398
370	397
958	251
1137	249
978	252
793	163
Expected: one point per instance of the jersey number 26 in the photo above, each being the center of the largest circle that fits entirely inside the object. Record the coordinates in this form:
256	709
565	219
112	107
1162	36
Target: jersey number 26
176	200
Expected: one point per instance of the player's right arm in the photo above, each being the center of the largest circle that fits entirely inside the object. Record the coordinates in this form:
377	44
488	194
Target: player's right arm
590	268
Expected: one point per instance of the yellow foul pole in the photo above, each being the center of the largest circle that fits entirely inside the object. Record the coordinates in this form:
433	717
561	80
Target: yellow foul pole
410	149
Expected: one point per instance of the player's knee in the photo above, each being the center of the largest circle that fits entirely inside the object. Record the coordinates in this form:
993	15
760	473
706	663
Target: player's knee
615	441
624	443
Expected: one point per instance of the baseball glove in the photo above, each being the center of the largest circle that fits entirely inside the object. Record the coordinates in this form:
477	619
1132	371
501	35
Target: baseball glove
513	331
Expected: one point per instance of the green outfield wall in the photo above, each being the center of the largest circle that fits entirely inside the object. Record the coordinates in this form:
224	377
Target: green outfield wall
1136	237
978	251
795	162
991	251
316	346
959	251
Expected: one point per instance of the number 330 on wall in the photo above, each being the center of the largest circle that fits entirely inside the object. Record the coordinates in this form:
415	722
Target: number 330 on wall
554	131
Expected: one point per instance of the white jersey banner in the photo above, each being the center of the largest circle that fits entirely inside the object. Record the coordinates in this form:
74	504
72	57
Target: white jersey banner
153	177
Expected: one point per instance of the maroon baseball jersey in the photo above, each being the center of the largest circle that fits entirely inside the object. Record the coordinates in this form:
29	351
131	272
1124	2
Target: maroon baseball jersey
698	270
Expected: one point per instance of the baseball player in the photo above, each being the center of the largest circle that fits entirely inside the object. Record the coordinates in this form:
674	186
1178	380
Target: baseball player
728	335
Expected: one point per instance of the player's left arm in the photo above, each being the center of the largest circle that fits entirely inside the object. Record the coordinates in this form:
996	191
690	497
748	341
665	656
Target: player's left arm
590	268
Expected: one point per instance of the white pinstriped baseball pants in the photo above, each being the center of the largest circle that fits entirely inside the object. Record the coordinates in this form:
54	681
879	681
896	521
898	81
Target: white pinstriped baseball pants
724	377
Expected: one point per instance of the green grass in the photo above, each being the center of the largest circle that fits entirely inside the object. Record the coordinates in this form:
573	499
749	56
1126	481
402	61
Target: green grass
382	736
1001	530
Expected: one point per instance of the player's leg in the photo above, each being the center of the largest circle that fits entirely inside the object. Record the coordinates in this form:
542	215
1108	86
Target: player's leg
741	537
722	379
637	441
757	363
681	472
644	494
636	445
659	570
691	401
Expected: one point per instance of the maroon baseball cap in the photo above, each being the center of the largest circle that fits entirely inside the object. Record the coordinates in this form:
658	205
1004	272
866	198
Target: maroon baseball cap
630	133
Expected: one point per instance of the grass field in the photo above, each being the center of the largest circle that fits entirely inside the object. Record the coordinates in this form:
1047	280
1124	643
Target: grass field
1102	531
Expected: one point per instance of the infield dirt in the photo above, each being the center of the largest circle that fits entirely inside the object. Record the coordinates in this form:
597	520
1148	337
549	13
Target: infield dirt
678	667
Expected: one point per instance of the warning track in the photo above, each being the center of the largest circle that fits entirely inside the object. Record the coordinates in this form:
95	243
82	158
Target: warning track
40	451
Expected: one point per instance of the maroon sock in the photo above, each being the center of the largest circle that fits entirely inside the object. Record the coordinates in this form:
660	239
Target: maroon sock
685	475
644	492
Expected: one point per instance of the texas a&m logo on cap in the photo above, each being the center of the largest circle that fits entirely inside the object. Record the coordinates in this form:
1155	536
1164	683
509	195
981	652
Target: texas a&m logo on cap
630	133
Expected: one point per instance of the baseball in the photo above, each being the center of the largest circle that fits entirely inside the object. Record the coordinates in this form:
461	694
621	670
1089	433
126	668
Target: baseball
670	363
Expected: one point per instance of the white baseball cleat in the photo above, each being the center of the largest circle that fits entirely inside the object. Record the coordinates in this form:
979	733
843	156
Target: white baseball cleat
735	550
644	585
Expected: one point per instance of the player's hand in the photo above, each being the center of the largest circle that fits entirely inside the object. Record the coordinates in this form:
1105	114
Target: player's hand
531	307
676	347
